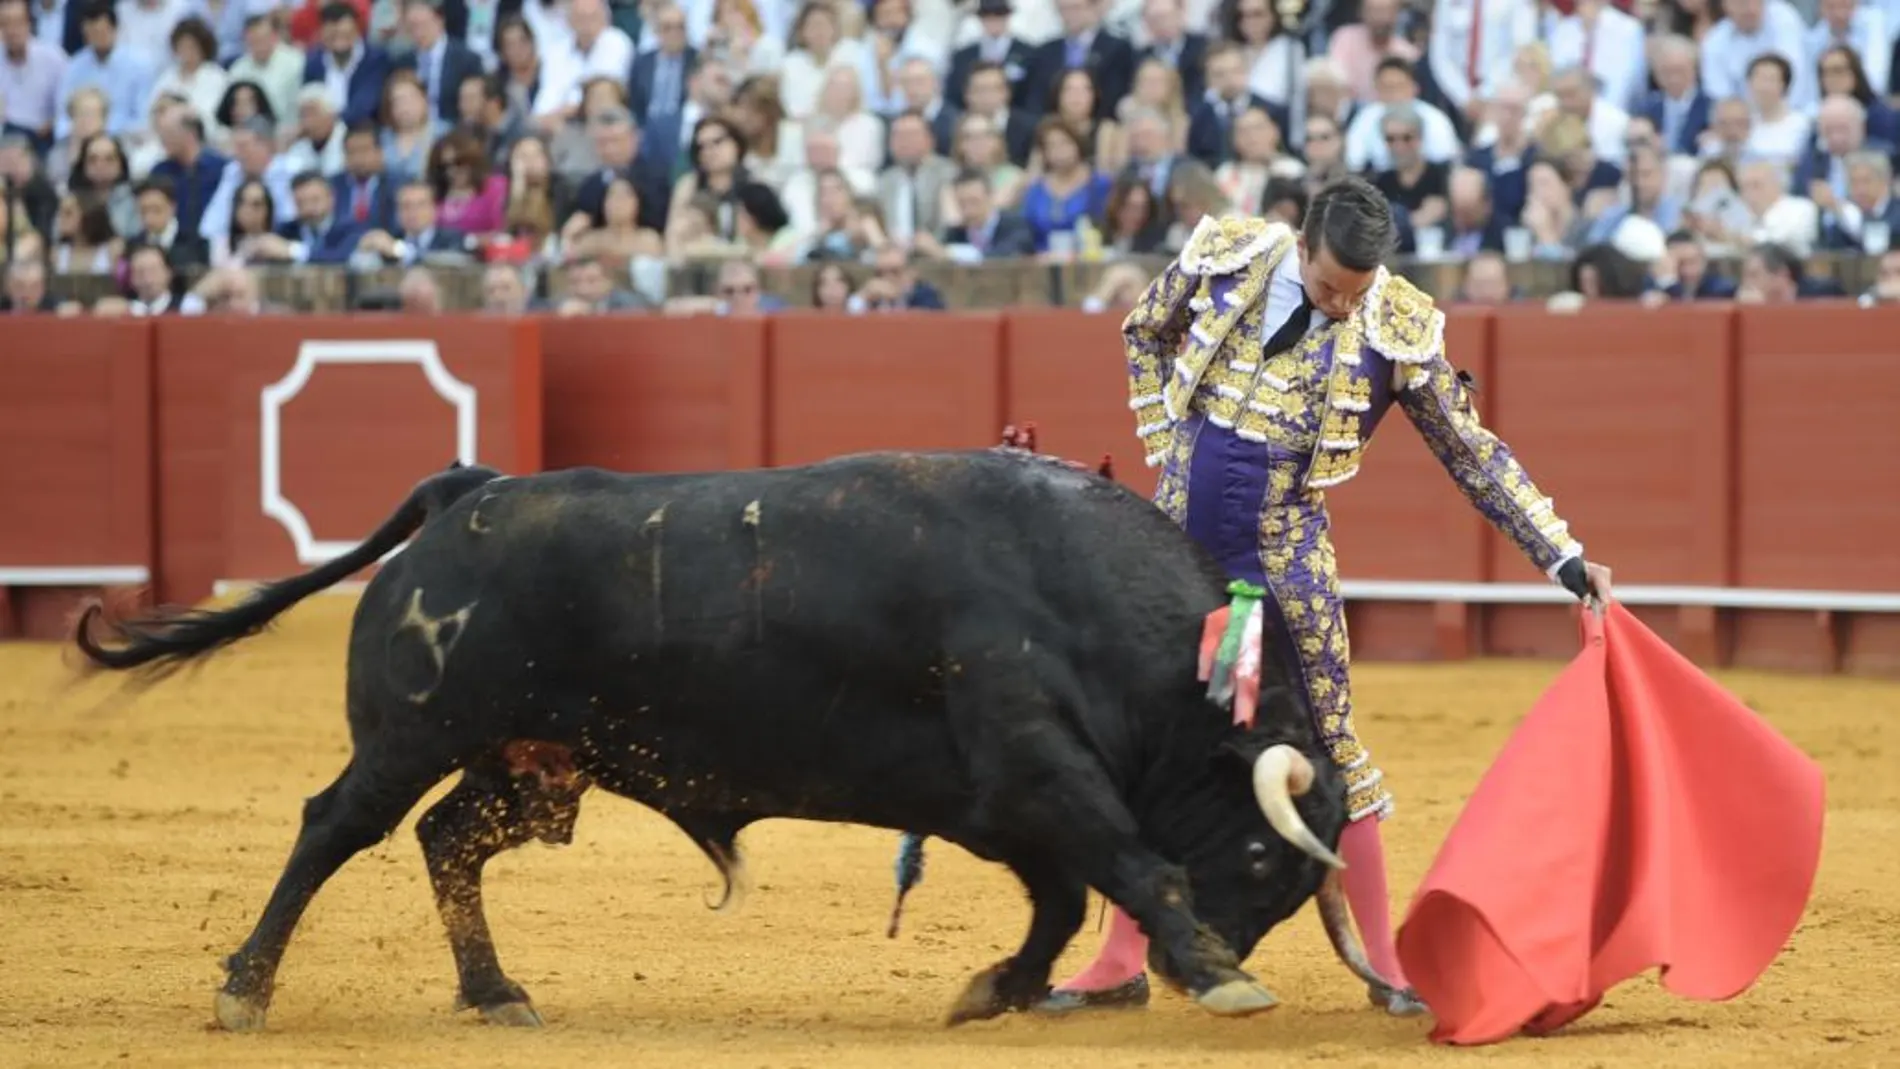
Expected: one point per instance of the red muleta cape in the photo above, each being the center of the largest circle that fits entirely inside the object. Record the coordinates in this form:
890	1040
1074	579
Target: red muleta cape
1639	816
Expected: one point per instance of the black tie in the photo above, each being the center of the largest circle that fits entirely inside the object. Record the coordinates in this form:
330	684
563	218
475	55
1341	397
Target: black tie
1293	329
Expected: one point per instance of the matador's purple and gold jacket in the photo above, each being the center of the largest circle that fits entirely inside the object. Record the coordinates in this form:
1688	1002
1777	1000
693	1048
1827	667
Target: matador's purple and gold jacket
1195	344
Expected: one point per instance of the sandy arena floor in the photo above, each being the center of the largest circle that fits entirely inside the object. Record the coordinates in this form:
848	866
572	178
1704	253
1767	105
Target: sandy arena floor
137	844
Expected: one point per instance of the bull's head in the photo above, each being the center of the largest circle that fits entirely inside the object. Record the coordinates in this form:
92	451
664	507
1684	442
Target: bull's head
1257	831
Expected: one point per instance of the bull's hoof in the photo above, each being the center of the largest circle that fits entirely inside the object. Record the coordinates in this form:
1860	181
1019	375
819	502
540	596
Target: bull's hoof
982	998
1237	998
511	1015
240	1013
1130	995
1399	1002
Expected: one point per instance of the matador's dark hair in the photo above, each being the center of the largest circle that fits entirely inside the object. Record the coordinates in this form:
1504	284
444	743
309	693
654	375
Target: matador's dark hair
1350	217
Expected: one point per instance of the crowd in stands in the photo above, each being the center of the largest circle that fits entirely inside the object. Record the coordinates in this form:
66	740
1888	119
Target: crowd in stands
156	141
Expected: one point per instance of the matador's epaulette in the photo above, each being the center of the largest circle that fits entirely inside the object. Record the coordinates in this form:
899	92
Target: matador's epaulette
1402	322
1225	245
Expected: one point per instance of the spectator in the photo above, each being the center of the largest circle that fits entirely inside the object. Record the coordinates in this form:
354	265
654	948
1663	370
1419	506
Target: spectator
1779	133
1683	272
1868	217
1487	279
253	155
469	196
243	101
1274	56
892	40
1133	221
1075	96
484	108
504	291
1603	272
1257	160
321	144
1840	74
1753	28
1678	106
1326	94
1356	49
228	290
861	135
318	235
1325	147
1866	30
984	231
1365	138
1773	215
103	174
1840	130
191	171
409	131
86	115
978	147
1507	159
1068	190
717	171
1158	90
1176	48
269	63
1607	46
20	170
1211	130
817	48
573	144
1284	200
1473	47
771	138
1412	180
1551	213
364	194
842	228
1726	139
1604	122
764	229
83	240
591	290
997	49
988	96
253	211
740	292
439	61
193	73
1472	226
1192	194
658	80
1886	287
352	69
617	145
520	69
162	227
31	73
921	91
831	287
152	286
1592	181
799	192
536	197
26	289
1085	45
618	237
1770	275
120	73
738	40
420	234
895	285
708	94
418	293
911	190
1644	196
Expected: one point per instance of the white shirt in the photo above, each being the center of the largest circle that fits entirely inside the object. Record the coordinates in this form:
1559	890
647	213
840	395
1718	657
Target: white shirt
561	79
1869	34
1284	294
1502	27
1727	52
1615	48
148	30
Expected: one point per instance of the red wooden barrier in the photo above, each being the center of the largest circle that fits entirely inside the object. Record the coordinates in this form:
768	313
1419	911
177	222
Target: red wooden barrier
75	466
284	440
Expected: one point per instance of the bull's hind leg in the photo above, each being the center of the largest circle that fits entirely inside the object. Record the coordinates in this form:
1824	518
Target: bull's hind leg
529	791
1019	982
356	812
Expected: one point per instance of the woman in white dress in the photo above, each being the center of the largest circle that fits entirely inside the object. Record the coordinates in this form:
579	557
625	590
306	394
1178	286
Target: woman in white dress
1779	133
817	47
194	74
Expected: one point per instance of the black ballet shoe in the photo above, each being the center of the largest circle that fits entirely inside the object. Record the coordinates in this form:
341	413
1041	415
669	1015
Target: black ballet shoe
1130	995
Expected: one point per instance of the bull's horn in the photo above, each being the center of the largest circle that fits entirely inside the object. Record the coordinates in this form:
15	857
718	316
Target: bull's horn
1279	773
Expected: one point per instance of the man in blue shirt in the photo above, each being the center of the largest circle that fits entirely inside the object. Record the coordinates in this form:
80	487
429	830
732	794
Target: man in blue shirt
119	72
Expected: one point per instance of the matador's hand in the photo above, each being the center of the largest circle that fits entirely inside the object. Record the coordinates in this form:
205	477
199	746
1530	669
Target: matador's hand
1589	582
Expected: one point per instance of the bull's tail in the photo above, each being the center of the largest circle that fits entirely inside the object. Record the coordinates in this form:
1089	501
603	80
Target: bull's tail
910	872
161	642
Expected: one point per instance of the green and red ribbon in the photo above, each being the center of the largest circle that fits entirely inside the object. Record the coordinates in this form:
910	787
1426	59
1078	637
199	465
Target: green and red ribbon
1230	651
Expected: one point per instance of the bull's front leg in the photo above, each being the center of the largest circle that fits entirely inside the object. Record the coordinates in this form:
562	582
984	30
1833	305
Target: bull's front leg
1060	901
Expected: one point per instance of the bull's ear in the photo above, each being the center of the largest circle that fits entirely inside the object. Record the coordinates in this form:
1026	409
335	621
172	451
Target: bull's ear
1281	717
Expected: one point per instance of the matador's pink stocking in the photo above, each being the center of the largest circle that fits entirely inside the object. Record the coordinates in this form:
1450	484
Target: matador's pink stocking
1364	879
1123	956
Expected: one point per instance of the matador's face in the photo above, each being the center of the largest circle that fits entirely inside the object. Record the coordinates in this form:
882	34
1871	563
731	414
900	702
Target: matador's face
1336	290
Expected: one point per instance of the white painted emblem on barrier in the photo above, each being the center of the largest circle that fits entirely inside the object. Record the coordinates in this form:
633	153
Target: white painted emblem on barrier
423	354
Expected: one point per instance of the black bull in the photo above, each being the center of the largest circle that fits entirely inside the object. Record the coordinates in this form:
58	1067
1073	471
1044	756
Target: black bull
987	647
